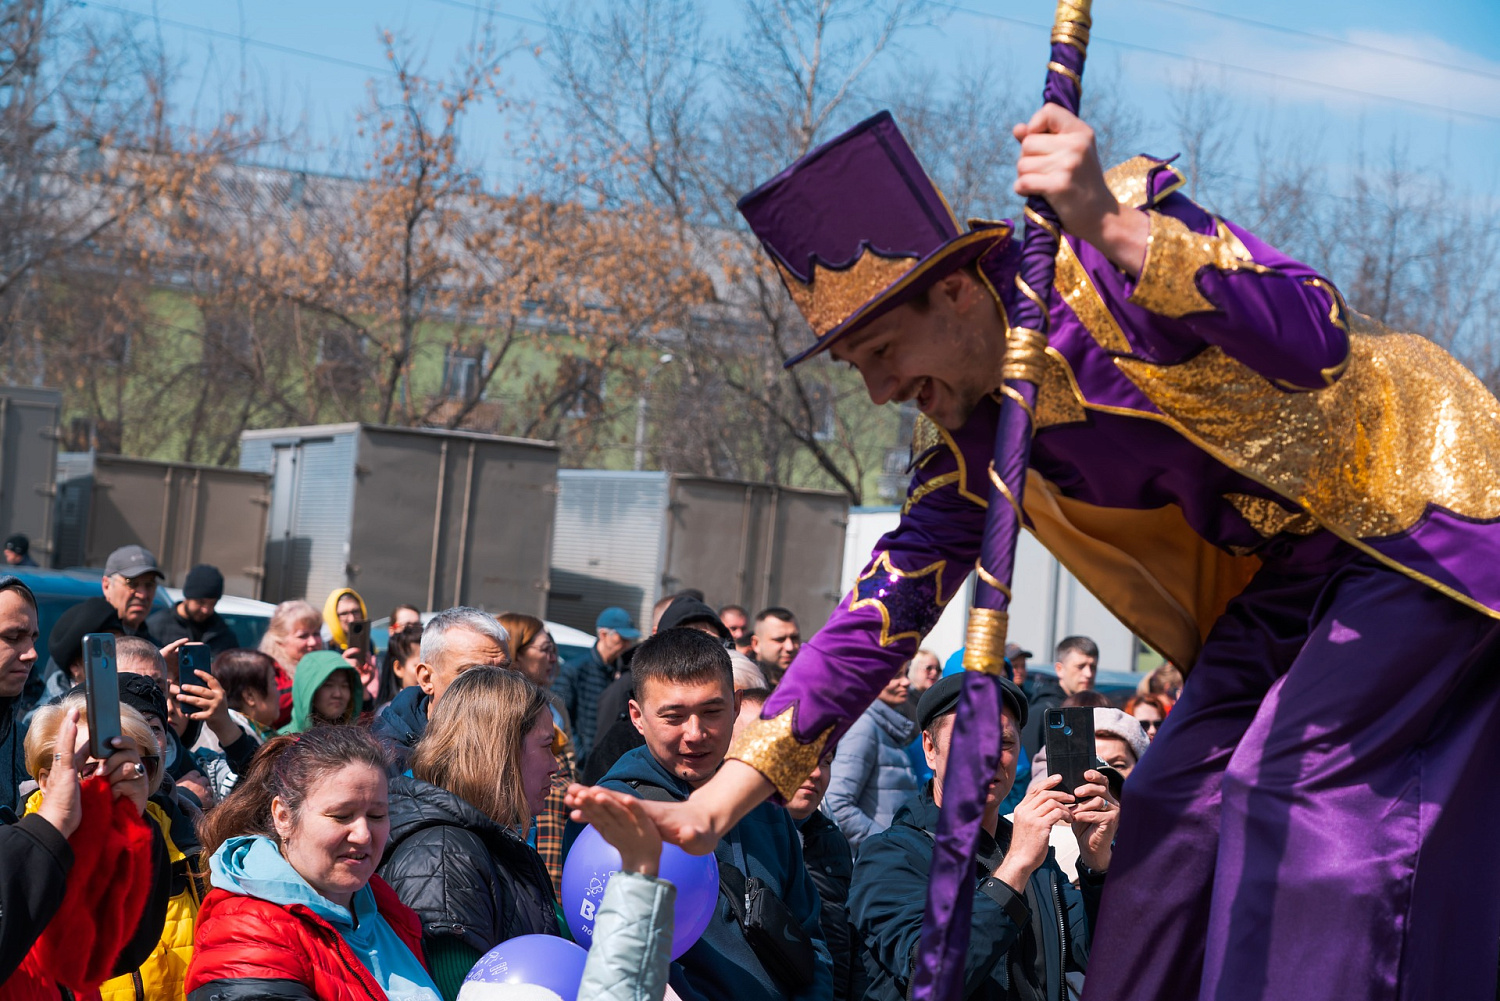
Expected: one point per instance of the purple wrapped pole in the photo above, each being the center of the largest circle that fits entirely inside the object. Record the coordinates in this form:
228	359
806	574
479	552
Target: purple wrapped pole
974	748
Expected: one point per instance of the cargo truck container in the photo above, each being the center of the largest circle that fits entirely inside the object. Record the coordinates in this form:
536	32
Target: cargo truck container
186	514
406	515
628	538
28	465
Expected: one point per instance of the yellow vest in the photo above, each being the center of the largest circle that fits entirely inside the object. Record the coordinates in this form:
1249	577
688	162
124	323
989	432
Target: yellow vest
163	976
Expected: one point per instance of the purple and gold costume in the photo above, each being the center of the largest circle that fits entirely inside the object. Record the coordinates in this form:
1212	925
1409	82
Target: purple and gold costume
1295	505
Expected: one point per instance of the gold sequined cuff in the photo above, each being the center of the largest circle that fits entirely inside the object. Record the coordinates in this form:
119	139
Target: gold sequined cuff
1168	285
771	748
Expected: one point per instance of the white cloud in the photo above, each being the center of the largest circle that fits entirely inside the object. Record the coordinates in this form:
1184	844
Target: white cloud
1330	66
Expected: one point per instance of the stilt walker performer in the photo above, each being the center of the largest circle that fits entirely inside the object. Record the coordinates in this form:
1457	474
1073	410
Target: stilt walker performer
1300	508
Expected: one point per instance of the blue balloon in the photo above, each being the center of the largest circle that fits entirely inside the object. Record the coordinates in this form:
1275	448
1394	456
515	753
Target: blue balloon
592	860
548	961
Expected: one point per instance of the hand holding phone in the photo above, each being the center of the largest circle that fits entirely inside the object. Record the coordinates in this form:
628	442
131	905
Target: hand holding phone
358	633
1070	745
192	658
101	686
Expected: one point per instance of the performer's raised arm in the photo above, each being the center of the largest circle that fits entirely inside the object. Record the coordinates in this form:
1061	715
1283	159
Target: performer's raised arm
1177	261
915	570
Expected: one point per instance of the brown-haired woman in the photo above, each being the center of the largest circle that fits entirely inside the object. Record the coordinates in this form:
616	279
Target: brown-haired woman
295	630
297	911
534	654
458	854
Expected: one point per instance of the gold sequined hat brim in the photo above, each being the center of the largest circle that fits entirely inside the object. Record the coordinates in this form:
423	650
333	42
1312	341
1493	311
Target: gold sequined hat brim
956	253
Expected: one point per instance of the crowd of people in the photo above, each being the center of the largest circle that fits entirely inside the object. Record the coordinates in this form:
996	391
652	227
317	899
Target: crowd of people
311	820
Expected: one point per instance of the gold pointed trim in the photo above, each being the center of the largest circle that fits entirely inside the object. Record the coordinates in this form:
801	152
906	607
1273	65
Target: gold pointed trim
771	747
882	564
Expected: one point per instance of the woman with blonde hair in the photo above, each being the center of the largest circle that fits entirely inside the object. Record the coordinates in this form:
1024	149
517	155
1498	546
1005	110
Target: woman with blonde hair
534	655
458	854
294	631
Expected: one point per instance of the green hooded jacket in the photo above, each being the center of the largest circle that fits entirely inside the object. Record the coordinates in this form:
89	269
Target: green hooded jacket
312	671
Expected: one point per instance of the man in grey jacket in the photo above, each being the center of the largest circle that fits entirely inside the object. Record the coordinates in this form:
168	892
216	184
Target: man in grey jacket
872	774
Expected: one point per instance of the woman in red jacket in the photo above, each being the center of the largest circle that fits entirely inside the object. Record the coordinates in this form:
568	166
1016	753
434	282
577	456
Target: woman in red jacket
297	913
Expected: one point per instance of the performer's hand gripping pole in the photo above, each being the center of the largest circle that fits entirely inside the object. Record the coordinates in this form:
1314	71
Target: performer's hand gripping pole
974	747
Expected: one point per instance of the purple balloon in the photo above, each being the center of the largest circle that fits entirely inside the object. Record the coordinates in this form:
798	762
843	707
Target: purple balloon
548	961
592	860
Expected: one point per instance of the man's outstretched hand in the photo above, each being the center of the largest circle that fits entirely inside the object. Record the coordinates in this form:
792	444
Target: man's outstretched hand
696	824
1059	162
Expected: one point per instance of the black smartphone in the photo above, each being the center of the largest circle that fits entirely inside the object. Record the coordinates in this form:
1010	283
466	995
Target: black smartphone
192	657
101	687
1070	744
358	632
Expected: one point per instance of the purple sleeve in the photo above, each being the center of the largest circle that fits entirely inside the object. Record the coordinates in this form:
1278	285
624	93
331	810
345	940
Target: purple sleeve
914	571
1208	282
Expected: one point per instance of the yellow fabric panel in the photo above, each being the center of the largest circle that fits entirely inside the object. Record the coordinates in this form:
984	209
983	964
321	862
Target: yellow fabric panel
1149	568
164	973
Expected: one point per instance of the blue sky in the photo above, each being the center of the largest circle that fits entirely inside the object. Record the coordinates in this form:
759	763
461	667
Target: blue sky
1347	76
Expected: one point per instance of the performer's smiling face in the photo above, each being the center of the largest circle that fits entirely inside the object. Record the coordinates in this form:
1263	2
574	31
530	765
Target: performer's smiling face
943	352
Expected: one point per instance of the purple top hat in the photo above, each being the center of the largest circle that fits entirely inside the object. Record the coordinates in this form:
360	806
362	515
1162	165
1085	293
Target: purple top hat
857	228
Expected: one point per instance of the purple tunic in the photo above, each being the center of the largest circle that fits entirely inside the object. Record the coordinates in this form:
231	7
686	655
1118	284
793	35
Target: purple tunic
1273	493
1190	419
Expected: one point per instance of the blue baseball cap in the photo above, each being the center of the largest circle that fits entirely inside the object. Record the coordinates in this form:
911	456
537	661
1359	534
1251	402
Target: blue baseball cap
619	620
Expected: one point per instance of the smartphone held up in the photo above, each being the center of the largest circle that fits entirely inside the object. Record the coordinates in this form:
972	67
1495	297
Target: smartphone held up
101	686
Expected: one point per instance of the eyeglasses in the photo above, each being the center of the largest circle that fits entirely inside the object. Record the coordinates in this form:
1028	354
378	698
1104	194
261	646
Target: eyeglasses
1150	724
143	583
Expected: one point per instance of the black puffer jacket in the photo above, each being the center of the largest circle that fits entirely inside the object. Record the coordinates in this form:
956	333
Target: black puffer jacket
464	874
830	863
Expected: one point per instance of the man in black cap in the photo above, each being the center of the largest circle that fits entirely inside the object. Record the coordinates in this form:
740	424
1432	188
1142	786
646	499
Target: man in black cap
195	618
130	580
1030	925
64	667
18	551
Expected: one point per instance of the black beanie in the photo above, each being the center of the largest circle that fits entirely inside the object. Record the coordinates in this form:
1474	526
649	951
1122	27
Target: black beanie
203	583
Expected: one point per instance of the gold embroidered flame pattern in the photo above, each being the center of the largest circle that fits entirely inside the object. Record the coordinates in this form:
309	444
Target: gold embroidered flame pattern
834	296
771	747
1406	426
882	566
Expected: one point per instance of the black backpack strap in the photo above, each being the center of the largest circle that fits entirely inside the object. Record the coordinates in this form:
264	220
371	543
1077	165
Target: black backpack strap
731	879
651	791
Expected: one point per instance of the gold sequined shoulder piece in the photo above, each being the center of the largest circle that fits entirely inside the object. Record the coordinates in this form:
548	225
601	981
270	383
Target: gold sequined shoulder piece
1405	427
771	747
1078	291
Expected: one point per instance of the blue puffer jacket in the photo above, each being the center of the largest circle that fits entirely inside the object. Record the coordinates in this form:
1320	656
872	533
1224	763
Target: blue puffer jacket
872	776
721	966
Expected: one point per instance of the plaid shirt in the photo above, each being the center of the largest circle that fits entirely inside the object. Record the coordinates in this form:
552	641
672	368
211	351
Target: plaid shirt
554	816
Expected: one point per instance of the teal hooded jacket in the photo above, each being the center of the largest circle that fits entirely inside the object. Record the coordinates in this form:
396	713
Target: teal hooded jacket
312	671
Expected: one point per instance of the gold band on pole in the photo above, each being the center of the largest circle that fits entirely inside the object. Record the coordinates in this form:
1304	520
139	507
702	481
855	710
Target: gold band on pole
1025	355
1071	23
984	645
